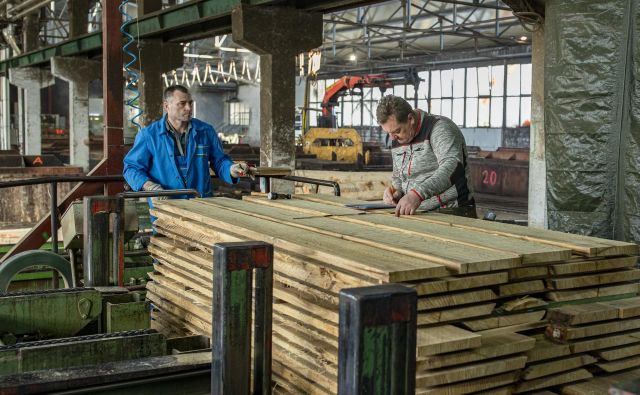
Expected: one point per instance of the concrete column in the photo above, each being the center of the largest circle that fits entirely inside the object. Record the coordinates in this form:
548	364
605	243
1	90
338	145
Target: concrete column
78	17
537	166
31	80
5	108
151	75
78	73
147	6
277	34
30	30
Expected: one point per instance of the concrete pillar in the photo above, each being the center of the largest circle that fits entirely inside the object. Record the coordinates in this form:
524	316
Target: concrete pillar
31	80
78	17
30	30
148	6
277	34
537	166
151	76
5	108
78	73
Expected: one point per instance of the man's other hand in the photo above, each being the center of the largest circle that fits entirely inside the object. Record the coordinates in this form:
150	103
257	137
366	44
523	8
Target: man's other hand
242	169
391	196
152	186
408	204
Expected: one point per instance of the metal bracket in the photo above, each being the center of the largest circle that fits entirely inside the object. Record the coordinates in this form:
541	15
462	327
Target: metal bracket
377	340
234	264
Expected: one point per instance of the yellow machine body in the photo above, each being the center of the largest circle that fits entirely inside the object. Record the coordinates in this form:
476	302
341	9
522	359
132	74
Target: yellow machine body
344	144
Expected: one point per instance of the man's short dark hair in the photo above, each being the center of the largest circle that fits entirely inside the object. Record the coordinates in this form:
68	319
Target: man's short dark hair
168	93
393	105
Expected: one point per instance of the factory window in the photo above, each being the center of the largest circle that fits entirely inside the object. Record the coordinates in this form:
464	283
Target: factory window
492	96
239	113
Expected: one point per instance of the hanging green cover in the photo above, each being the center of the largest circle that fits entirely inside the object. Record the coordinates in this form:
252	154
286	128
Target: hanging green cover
592	117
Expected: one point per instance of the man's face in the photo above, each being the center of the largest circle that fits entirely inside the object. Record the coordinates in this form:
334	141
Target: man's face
403	132
179	107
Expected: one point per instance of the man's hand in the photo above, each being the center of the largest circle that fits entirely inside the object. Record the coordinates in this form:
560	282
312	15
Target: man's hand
152	186
242	169
408	204
391	196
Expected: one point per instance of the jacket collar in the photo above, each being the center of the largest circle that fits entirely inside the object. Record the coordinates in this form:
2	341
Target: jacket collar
163	125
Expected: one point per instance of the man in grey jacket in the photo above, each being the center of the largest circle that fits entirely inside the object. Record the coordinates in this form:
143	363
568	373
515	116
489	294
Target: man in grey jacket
430	170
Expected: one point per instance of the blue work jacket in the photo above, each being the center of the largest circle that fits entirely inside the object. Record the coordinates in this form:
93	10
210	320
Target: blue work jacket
153	158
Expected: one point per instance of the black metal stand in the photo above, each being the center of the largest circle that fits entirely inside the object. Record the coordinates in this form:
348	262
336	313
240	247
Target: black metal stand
98	269
377	343
234	264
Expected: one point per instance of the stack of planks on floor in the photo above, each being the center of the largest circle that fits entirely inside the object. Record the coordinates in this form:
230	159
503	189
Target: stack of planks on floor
469	276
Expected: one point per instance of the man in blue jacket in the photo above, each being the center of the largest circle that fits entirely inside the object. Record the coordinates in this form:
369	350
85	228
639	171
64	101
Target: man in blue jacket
176	151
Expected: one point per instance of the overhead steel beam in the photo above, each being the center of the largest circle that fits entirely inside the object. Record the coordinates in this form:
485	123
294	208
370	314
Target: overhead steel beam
190	21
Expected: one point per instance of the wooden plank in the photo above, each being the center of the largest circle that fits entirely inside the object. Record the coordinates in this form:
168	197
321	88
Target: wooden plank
504	320
314	307
597	265
186	319
599	385
297	266
521	288
471	386
316	321
305	337
454	314
523	303
461	283
446	338
529	272
544	349
530	252
604	342
547	368
513	328
418	245
582	313
594	279
492	347
469	372
586	293
620	364
582	245
613	354
295	383
370	261
455	299
561	333
317	373
552	381
627	308
311	293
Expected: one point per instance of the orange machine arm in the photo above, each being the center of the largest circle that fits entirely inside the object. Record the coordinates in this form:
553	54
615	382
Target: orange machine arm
338	89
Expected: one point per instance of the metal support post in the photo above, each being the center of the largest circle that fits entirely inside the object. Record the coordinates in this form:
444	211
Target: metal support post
377	340
234	264
97	212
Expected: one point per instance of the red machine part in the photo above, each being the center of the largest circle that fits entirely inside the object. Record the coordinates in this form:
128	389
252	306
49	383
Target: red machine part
348	84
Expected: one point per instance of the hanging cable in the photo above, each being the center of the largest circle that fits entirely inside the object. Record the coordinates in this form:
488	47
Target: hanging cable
133	76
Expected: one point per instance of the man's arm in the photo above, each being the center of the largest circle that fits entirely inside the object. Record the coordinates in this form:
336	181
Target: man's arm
447	144
218	160
137	163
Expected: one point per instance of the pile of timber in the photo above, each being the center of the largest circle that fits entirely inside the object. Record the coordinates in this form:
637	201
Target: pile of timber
484	288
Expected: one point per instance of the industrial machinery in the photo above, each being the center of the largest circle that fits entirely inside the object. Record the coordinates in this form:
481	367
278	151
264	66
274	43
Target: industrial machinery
343	144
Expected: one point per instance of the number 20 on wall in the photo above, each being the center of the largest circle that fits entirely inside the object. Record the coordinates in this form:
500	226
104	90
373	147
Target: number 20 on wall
489	177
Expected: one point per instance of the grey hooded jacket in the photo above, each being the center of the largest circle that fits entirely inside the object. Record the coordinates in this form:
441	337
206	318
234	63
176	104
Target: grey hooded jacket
434	164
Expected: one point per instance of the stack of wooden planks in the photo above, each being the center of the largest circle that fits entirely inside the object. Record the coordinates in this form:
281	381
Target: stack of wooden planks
479	285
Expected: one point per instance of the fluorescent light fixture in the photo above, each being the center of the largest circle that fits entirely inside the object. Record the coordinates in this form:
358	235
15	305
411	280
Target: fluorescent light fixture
194	55
523	38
